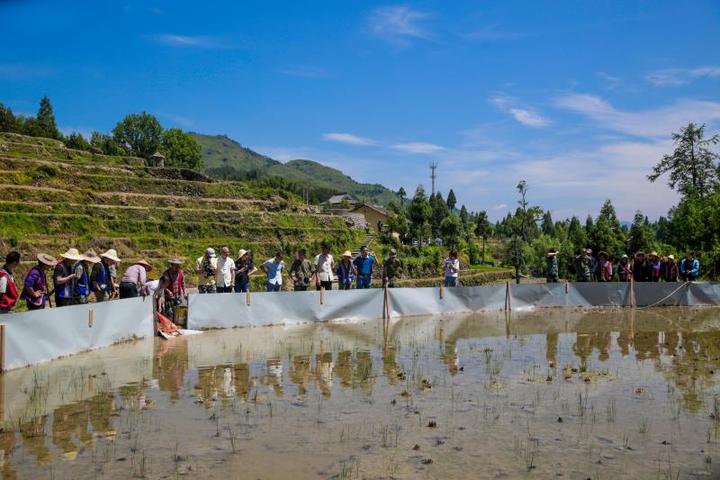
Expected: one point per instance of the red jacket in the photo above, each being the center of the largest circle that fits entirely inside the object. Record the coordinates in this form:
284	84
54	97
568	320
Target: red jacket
9	299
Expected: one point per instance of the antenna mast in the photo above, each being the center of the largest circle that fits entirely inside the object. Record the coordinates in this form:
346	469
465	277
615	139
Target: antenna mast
433	175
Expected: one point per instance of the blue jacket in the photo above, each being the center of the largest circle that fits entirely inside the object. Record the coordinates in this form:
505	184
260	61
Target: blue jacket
694	271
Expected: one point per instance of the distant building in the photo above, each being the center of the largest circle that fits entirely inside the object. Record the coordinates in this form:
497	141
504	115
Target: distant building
372	213
157	160
336	200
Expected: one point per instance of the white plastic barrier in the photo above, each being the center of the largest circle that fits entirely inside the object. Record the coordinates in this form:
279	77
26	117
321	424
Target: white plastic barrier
239	310
42	335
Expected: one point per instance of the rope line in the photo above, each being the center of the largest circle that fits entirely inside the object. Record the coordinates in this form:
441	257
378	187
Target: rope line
665	297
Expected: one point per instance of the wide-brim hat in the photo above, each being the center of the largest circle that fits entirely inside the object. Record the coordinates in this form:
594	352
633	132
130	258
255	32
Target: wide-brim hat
242	252
552	253
624	255
46	259
72	254
653	253
175	261
91	256
110	255
144	263
640	253
210	251
603	253
671	257
393	253
347	253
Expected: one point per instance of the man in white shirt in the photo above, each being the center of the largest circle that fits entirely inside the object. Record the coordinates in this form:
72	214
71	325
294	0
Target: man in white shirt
452	269
225	273
273	268
324	268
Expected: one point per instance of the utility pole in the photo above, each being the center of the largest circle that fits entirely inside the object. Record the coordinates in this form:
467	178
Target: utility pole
433	175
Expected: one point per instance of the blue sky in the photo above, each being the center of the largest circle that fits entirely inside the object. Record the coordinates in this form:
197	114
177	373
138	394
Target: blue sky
577	97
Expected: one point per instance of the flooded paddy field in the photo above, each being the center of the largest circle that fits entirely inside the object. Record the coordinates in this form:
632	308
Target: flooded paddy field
554	393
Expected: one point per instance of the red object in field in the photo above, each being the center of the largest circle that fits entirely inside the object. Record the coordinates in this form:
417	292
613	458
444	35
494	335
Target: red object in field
165	326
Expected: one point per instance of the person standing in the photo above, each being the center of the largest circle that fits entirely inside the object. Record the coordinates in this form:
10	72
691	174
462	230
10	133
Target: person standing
670	269
583	266
100	280
654	267
641	270
9	294
134	278
64	277
324	267
392	269
345	271
175	291
113	261
451	269
689	268
225	273
82	287
364	266
273	268
301	272
624	269
553	269
206	268
244	267
604	268
35	285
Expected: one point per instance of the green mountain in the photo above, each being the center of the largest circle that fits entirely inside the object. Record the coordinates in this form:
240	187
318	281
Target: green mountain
226	159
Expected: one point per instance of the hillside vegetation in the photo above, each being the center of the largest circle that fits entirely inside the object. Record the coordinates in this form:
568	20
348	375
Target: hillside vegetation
226	159
55	198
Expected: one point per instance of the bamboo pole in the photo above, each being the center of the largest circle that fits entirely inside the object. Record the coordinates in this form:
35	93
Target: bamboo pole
91	317
247	298
442	290
632	292
567	287
322	295
508	297
2	348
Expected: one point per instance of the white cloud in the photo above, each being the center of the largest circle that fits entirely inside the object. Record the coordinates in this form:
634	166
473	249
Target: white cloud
398	24
526	116
500	206
304	71
348	138
421	148
492	34
611	82
174	40
672	77
660	122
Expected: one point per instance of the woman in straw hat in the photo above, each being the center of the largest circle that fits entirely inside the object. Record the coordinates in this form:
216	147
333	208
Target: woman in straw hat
244	267
175	291
64	277
82	287
112	260
35	285
135	277
345	271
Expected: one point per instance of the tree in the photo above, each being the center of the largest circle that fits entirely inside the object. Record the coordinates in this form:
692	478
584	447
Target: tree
607	234
439	212
692	166
640	235
77	141
181	149
105	144
44	125
419	213
520	228
482	229
465	218
451	200
139	133
577	234
451	229
8	121
401	195
548	227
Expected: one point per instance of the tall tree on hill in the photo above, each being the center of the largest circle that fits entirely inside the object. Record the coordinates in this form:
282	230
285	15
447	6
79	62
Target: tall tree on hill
692	165
419	213
44	124
482	229
181	149
640	234
607	234
525	217
451	230
465	218
104	144
451	200
401	195
548	227
77	141
139	133
577	234
440	211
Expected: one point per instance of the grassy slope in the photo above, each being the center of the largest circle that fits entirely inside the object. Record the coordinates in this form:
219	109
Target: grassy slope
225	158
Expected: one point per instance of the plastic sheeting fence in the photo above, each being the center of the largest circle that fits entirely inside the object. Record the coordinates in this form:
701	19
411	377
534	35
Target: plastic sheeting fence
259	309
42	335
35	337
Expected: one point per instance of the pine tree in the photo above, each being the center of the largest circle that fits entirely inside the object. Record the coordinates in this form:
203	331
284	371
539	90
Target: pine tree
45	125
451	200
548	227
401	195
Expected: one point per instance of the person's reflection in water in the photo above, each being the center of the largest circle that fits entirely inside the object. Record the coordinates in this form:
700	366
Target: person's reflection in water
274	375
69	420
300	372
323	372
7	446
364	370
170	365
551	347
449	356
343	367
242	380
33	439
390	367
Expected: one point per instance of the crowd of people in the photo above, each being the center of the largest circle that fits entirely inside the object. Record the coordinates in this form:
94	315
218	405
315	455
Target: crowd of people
641	268
77	278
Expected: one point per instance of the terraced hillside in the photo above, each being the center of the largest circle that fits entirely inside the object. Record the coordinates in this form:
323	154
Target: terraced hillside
53	198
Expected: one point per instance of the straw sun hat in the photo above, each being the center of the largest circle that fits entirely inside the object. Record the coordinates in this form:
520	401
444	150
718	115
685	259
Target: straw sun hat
347	253
72	254
175	261
143	263
111	255
91	256
242	252
46	259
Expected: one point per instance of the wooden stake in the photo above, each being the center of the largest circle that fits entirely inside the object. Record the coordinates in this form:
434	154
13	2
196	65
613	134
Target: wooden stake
632	292
322	295
2	348
508	297
247	298
442	290
91	317
567	287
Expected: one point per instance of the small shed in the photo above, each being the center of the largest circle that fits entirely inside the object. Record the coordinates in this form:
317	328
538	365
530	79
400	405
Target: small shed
157	160
336	200
373	213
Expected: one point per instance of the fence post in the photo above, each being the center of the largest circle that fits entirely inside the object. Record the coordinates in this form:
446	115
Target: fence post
508	297
2	348
567	287
632	292
247	297
91	317
322	295
442	290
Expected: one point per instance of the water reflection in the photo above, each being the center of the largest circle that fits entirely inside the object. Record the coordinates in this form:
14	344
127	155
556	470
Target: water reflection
59	411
